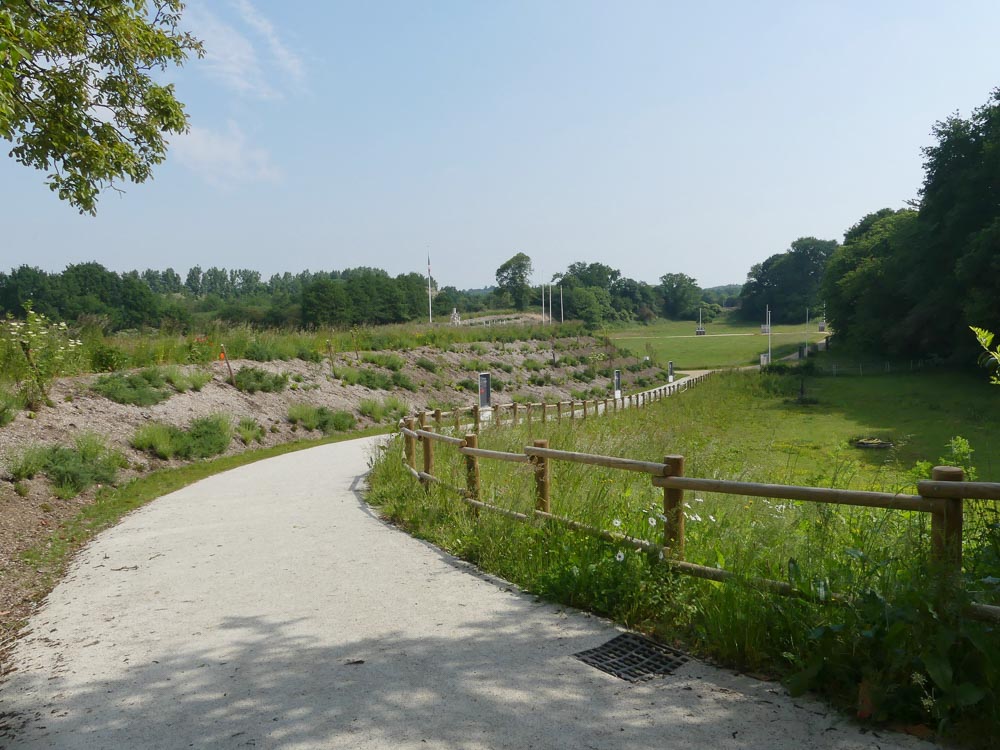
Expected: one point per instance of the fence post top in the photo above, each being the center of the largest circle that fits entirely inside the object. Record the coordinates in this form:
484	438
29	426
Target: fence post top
947	474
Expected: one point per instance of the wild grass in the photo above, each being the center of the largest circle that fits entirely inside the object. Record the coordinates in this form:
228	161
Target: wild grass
204	437
390	408
320	418
10	404
383	359
253	379
728	343
743	426
249	430
144	388
131	350
71	470
181	381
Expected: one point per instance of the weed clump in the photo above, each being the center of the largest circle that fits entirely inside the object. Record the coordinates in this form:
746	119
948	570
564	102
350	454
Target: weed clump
320	418
253	379
144	388
205	437
71	470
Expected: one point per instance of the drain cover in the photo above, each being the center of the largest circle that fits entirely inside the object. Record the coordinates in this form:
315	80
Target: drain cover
634	658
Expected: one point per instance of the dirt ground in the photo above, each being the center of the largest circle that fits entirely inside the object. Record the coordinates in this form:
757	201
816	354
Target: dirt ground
29	518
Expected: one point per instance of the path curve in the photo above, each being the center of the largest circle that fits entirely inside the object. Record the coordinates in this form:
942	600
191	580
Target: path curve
268	608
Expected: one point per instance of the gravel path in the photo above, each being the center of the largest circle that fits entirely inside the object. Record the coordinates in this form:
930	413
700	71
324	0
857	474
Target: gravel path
268	608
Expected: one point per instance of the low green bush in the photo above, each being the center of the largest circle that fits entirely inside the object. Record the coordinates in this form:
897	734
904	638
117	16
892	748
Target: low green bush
10	405
262	351
320	418
375	380
253	379
391	408
104	358
143	388
388	361
427	364
205	437
248	429
402	380
182	381
71	470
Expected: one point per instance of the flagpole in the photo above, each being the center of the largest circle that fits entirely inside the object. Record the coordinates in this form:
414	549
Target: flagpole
430	314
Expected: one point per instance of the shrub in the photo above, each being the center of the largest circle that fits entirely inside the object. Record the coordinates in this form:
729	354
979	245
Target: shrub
532	365
10	404
468	384
104	358
261	351
427	364
505	366
253	379
308	355
143	388
350	375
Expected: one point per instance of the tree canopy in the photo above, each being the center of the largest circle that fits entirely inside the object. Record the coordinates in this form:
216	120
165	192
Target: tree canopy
77	95
512	279
788	282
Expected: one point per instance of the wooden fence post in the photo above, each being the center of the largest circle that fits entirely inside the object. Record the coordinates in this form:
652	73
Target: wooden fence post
585	408
542	479
946	525
472	469
458	416
423	419
559	411
428	458
410	444
545	408
475	416
437	418
513	414
673	509
527	413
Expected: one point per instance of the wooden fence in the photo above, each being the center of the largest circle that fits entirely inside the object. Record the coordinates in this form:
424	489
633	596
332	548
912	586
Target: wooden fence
515	413
942	497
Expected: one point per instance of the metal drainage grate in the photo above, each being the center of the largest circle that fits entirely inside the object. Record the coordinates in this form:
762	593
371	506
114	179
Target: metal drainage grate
634	658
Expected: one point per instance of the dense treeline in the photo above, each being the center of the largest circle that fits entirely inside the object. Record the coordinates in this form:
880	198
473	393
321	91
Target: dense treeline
908	282
90	294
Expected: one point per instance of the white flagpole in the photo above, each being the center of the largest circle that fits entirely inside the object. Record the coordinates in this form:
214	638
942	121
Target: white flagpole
430	314
562	315
543	304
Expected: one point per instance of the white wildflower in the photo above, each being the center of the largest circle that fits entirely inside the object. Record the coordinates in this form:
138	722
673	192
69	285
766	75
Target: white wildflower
620	556
616	523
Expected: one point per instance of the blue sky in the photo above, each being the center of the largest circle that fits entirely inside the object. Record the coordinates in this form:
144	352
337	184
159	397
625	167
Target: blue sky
654	137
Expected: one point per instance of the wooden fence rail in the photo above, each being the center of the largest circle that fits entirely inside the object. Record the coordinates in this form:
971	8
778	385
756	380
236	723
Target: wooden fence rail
576	409
942	497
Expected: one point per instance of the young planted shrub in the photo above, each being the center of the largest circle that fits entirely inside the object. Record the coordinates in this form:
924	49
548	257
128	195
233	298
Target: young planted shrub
143	388
205	437
391	408
184	381
248	429
320	418
71	470
427	364
253	379
388	361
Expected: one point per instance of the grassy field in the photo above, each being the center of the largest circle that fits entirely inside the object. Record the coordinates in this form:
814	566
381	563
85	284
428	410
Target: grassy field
899	640
727	343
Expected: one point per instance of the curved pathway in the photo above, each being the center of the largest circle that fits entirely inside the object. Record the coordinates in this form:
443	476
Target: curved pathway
268	608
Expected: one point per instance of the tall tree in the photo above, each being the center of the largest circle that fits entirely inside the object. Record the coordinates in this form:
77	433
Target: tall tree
787	282
512	278
679	296
78	94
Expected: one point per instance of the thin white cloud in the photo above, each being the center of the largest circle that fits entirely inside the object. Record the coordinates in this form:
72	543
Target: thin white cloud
248	63
224	159
286	59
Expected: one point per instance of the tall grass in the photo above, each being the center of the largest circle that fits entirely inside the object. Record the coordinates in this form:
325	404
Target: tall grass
71	470
735	427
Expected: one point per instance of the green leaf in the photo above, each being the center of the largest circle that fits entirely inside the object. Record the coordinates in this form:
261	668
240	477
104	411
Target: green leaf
939	668
967	694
